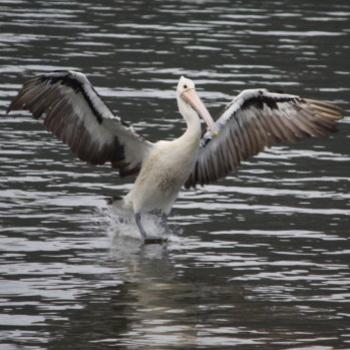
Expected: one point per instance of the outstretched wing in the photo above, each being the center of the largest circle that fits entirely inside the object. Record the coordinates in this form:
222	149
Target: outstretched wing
256	119
74	112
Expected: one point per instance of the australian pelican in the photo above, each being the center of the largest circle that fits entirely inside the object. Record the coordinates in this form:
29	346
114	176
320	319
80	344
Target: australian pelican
74	112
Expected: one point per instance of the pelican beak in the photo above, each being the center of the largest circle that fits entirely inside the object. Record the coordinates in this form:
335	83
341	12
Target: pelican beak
190	96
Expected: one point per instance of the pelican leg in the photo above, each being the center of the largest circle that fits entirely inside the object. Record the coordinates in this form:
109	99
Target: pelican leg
139	225
164	221
143	232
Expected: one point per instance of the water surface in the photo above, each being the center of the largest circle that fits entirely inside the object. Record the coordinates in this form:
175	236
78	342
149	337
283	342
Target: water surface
259	260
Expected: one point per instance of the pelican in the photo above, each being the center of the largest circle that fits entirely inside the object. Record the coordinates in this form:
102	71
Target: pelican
74	112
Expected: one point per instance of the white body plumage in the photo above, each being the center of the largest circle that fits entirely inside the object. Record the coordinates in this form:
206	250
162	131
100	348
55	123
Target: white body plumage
168	164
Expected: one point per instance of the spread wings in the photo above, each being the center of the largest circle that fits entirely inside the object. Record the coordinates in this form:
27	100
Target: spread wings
74	112
256	119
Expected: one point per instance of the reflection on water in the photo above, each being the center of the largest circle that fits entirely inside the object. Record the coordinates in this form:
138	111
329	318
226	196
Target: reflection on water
257	261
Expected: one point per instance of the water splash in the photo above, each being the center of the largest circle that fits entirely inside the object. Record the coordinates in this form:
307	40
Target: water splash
121	224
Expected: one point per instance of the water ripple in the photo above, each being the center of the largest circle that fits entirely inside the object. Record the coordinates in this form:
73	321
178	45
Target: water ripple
258	260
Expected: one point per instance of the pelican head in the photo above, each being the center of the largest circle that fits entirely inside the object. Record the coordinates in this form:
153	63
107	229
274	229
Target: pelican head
190	104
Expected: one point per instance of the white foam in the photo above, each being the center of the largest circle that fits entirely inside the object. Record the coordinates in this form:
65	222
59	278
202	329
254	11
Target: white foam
121	223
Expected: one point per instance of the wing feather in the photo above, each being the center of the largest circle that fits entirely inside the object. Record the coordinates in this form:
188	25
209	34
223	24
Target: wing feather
257	119
73	111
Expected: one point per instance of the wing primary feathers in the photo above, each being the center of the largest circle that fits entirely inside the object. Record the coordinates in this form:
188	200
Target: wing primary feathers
66	79
254	120
72	110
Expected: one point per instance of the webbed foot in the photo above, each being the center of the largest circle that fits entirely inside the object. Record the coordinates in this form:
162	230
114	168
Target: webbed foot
155	240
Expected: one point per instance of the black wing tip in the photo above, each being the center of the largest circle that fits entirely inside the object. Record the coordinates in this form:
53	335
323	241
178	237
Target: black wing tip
260	100
74	80
15	106
9	108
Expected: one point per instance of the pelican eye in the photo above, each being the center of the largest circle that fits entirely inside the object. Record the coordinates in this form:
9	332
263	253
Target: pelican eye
185	86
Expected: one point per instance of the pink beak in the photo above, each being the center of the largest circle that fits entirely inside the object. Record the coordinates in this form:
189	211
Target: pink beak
190	96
